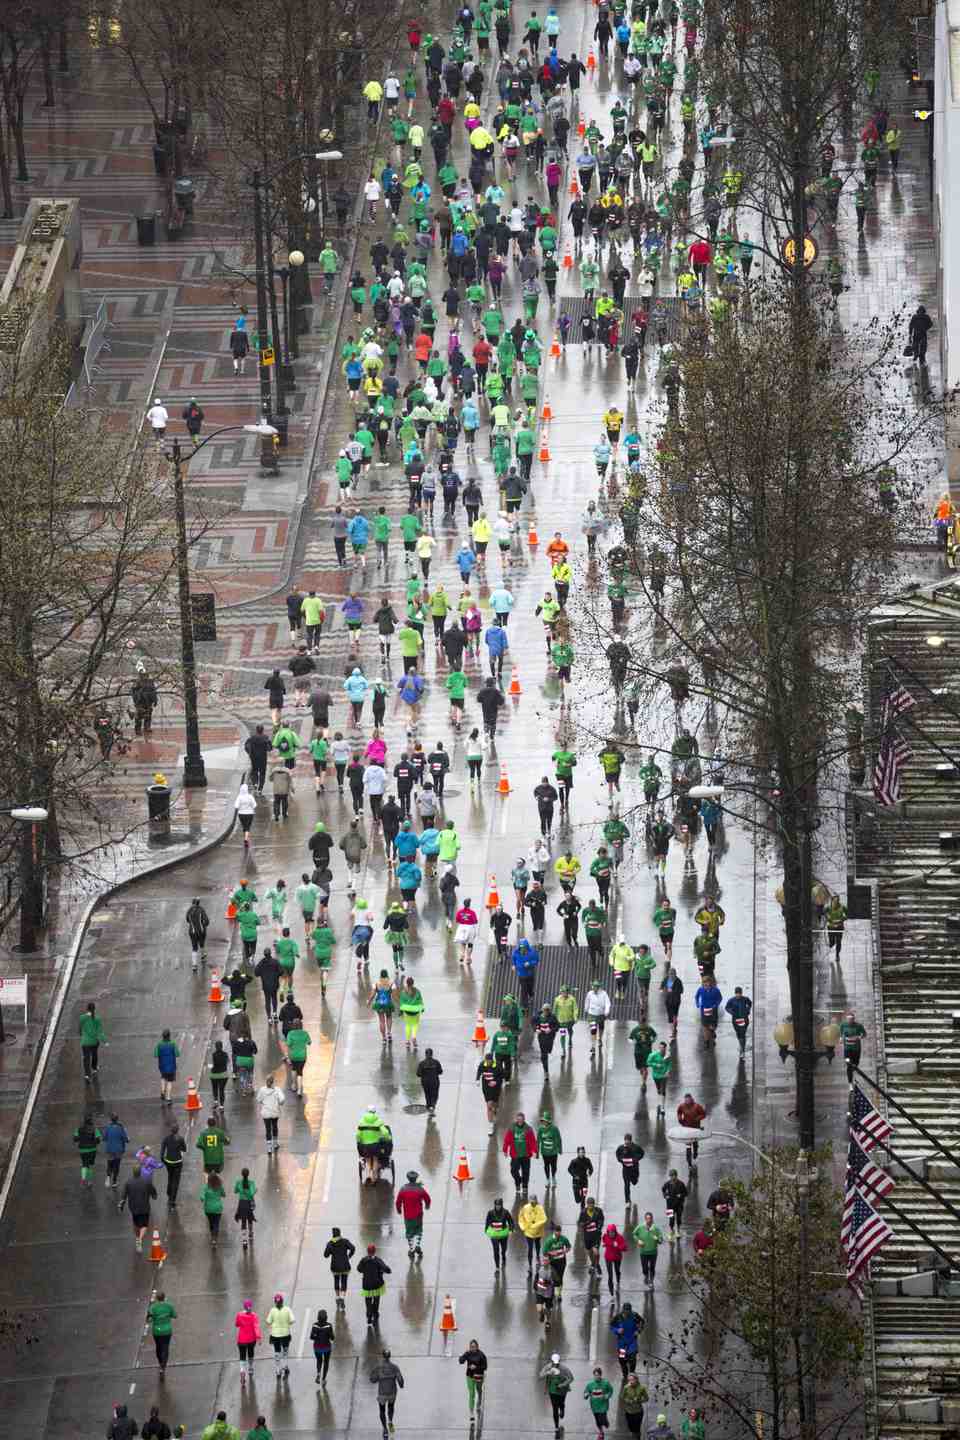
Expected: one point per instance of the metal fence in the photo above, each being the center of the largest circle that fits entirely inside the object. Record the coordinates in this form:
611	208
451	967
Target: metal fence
96	342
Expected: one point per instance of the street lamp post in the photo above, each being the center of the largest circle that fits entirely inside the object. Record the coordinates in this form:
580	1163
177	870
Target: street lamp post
31	907
194	771
268	461
291	350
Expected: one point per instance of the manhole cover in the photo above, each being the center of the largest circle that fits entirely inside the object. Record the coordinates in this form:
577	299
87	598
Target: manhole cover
414	1109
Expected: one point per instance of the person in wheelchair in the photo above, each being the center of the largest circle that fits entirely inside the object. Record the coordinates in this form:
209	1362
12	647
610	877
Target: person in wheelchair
374	1145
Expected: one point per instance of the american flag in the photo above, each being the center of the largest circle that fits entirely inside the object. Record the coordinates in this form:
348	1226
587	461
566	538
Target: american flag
893	755
867	1232
863	1178
867	1125
897	700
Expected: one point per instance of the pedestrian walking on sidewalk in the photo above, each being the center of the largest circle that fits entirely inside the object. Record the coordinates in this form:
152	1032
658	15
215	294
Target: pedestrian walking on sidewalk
851	1034
161	1315
389	1381
247	1325
280	1322
245	1190
835	920
339	1251
270	1101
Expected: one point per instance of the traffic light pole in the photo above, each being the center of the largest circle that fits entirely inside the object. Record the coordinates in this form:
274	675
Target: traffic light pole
194	771
267	457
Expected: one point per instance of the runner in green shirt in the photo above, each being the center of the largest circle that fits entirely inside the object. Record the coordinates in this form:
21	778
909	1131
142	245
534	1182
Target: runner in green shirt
456	684
161	1315
211	1142
297	1043
597	1393
319	750
648	1238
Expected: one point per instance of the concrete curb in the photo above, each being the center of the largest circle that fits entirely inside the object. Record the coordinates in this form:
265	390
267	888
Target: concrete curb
55	1013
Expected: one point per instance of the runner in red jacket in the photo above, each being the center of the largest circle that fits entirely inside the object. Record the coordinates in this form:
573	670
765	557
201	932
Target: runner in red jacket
520	1143
412	1200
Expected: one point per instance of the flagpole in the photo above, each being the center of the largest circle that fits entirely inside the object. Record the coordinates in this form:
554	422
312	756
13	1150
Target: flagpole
897	1106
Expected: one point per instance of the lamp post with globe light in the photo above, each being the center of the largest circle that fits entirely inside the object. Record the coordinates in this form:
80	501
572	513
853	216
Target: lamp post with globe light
194	773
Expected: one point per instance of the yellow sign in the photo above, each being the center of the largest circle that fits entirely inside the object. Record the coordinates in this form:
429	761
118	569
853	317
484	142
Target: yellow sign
789	250
267	355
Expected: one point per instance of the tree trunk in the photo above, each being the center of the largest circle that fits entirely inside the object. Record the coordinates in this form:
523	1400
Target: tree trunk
6	189
49	97
16	121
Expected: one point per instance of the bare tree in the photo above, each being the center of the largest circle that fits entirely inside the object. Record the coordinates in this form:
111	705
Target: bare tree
759	509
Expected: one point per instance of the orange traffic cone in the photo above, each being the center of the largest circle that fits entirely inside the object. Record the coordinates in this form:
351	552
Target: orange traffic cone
231	907
493	894
448	1322
157	1252
547	412
532	537
574	188
216	994
462	1171
567	260
555	347
503	787
515	683
480	1030
544	448
591	61
193	1099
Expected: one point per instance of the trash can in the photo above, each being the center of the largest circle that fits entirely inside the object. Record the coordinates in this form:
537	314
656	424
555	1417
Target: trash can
147	229
158	809
184	193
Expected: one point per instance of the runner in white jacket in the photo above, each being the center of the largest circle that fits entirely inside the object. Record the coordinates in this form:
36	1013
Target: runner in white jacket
596	1008
270	1101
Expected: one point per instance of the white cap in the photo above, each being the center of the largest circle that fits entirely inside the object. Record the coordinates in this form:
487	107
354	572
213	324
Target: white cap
555	1359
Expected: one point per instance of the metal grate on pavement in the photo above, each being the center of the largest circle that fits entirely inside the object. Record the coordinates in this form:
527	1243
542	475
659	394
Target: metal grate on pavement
559	965
666	309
